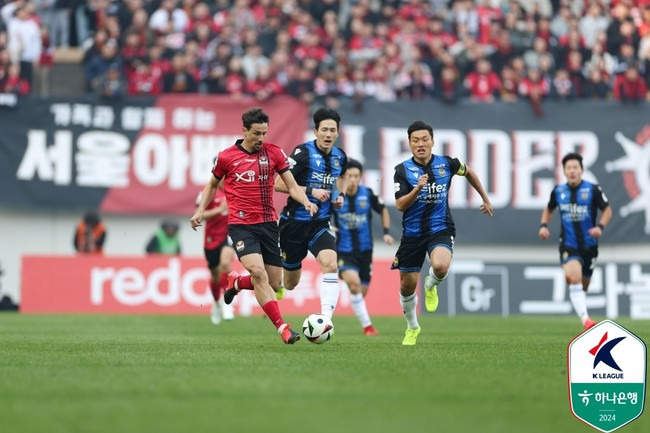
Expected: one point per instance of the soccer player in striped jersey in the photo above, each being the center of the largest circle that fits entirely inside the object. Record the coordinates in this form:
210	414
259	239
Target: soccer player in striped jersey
421	193
248	170
319	168
578	202
354	240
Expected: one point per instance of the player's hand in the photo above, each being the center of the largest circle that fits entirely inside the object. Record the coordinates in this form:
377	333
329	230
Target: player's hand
311	208
595	232
338	203
322	195
486	208
196	220
388	239
422	182
544	233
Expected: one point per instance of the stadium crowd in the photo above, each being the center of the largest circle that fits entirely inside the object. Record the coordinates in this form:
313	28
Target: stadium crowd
485	50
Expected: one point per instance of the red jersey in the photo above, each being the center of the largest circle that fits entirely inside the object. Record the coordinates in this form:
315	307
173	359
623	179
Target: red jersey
249	179
216	228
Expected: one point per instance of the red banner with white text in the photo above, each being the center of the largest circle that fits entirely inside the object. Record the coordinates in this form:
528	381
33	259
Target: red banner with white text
171	285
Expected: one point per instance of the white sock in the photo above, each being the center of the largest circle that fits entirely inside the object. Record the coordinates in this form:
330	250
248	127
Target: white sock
408	307
435	280
579	301
359	307
329	293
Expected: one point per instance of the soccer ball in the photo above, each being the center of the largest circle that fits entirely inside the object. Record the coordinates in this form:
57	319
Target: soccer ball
318	328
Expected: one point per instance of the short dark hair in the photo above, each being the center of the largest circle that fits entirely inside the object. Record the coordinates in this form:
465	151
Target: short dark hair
570	156
91	218
326	114
353	163
254	115
419	125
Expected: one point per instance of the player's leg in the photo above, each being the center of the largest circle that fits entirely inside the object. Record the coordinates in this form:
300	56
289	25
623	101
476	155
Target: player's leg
245	242
409	300
440	249
273	271
408	259
293	246
358	304
440	260
226	258
365	273
322	244
572	266
212	260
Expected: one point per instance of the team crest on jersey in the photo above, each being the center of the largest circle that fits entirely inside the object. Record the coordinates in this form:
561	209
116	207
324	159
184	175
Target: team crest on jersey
337	164
264	160
441	171
363	204
584	194
240	246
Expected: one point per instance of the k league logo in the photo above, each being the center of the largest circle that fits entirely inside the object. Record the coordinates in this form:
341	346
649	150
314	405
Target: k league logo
607	376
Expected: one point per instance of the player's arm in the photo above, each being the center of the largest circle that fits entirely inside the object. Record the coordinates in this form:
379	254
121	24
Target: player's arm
606	213
547	216
298	160
206	197
473	179
378	206
405	194
297	193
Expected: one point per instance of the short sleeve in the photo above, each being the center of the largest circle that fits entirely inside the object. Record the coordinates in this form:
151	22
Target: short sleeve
220	164
280	160
456	167
552	201
402	185
298	160
344	164
600	198
376	203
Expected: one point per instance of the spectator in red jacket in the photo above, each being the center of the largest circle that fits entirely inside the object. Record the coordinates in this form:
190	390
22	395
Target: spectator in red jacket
483	84
629	87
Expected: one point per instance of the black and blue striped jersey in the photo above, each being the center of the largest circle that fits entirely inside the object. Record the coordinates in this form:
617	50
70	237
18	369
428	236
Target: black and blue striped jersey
354	219
313	168
578	207
430	212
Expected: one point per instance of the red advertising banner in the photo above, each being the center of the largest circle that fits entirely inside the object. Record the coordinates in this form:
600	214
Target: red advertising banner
171	285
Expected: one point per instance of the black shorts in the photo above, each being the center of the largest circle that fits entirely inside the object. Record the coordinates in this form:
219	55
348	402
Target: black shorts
213	256
586	256
259	238
296	238
412	251
360	262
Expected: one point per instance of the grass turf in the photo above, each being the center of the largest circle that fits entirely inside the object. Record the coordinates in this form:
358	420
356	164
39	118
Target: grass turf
180	373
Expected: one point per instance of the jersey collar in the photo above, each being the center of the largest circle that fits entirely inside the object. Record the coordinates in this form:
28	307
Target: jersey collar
239	142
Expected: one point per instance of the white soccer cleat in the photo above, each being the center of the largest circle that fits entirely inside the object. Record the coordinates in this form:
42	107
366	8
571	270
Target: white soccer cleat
227	310
216	314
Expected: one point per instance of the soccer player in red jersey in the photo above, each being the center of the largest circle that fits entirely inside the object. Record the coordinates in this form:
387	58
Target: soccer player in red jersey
218	253
248	169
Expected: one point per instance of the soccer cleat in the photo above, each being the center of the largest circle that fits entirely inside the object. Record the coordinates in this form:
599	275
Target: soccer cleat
231	292
289	336
589	324
430	295
411	336
227	311
370	330
215	317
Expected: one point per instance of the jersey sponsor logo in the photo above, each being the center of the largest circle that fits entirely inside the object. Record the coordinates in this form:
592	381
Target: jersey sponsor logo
352	221
326	179
573	211
247	176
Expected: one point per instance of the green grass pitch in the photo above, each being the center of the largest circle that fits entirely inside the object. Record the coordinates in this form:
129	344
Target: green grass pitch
182	374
